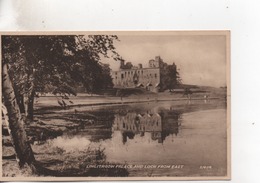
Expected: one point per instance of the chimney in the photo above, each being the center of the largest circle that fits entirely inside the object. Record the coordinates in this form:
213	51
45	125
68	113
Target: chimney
140	66
122	63
157	58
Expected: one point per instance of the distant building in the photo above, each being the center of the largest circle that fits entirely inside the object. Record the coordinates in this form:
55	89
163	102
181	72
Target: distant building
138	77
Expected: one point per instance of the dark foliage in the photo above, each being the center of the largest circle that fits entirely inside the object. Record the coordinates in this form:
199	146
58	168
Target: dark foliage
57	64
169	76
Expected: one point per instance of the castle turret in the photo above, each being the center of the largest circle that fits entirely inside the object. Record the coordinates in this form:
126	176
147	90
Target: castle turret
122	63
155	63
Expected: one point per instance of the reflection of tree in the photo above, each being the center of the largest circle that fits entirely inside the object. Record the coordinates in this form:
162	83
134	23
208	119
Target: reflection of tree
126	135
97	124
171	122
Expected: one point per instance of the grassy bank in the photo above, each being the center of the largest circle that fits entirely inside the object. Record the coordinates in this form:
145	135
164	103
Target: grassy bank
87	100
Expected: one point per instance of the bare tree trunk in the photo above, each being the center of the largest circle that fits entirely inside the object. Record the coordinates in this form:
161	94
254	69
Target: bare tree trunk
20	142
21	106
22	147
30	96
30	105
20	101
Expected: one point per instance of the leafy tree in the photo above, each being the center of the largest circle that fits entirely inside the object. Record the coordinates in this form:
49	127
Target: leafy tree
173	78
169	76
60	62
106	75
29	63
103	78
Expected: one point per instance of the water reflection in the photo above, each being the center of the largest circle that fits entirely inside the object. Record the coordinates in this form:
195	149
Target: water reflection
157	121
159	125
95	126
158	133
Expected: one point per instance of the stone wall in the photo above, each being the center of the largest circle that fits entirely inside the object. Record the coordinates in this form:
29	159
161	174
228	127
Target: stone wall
148	78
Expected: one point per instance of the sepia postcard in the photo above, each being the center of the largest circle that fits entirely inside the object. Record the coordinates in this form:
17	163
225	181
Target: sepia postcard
115	105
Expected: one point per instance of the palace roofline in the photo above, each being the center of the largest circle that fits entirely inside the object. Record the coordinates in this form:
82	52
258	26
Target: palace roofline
135	69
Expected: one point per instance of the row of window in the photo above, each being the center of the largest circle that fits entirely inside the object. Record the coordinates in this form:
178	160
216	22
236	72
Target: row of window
151	75
131	72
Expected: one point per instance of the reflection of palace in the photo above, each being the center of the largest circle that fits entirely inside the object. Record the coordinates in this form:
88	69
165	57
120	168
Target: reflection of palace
154	123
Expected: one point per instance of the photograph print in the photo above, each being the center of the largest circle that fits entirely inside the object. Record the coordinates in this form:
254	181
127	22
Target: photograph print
115	105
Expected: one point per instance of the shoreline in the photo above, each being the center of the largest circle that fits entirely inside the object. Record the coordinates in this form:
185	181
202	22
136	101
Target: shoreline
114	101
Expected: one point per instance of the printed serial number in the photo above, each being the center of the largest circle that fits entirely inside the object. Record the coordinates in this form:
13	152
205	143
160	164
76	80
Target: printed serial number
204	167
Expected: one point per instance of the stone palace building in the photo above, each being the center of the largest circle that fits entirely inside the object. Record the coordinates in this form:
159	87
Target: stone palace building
138	77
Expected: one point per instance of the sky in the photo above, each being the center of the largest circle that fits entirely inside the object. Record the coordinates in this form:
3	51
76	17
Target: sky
201	59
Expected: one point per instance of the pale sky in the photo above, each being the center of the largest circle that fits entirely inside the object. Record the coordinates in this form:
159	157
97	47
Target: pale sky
201	59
